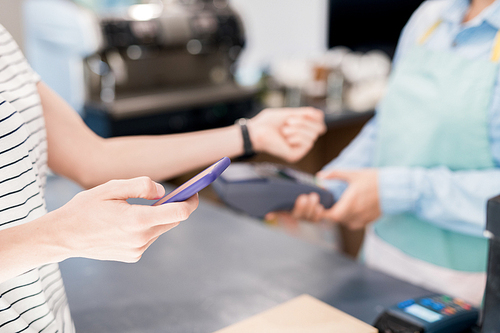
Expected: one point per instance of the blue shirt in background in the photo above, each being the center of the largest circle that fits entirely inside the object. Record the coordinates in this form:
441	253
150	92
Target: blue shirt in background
436	194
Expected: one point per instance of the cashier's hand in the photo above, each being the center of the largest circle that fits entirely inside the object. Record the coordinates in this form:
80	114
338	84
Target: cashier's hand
358	205
100	224
286	133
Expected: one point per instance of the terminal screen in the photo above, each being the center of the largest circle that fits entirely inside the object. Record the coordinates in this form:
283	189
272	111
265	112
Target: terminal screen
423	313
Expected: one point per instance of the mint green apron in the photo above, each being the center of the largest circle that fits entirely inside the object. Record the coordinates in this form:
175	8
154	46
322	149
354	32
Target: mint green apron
435	114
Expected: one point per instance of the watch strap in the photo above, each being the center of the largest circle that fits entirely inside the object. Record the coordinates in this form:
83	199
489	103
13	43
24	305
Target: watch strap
247	143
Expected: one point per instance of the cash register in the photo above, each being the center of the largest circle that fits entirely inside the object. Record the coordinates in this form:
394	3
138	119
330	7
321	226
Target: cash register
141	67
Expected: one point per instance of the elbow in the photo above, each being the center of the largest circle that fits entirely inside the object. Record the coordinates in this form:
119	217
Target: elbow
80	173
87	181
89	172
86	177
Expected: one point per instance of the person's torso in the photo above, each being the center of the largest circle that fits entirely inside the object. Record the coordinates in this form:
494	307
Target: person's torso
436	114
34	301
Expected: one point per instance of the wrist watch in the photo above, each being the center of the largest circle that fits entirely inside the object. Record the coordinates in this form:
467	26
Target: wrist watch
247	143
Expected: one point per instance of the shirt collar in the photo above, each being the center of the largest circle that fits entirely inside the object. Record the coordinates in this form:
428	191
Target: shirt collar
457	9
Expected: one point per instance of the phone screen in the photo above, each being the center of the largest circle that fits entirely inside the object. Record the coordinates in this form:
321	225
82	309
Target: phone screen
196	183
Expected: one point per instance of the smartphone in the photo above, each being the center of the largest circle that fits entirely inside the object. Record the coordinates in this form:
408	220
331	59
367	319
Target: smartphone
196	184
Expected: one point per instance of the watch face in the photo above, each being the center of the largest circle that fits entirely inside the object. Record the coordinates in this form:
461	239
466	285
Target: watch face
242	121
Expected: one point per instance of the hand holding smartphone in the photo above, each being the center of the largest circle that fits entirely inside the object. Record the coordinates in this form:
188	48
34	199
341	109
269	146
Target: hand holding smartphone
197	183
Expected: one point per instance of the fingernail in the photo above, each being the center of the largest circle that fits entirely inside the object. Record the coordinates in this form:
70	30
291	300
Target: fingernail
159	188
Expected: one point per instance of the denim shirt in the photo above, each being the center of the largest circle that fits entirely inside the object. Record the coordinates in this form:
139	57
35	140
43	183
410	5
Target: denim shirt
448	198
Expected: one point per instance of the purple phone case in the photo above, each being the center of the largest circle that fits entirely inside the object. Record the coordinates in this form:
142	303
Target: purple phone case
217	169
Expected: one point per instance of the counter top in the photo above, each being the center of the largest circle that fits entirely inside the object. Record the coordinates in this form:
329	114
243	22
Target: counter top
346	117
215	269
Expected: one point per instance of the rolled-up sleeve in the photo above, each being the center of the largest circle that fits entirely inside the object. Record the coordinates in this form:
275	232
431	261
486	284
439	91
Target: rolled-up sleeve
454	200
357	155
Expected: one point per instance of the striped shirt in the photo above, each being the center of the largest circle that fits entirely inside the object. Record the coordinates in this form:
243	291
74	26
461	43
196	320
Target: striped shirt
36	300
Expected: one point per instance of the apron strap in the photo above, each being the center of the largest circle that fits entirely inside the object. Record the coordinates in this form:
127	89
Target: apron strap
429	32
495	52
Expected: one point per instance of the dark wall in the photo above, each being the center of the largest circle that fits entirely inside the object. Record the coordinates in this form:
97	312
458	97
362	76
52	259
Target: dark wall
364	25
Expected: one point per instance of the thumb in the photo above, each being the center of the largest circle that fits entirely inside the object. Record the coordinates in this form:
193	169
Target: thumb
141	187
337	174
271	216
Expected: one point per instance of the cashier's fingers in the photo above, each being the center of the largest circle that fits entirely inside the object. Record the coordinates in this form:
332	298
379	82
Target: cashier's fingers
300	209
355	225
304	206
341	210
346	176
319	213
308	207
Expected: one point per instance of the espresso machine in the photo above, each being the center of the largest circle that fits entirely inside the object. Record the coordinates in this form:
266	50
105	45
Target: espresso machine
150	67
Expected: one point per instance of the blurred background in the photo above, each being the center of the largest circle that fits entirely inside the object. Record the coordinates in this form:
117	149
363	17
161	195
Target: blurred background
154	67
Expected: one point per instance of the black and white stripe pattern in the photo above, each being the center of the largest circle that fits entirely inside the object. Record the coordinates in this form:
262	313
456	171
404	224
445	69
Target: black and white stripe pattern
34	301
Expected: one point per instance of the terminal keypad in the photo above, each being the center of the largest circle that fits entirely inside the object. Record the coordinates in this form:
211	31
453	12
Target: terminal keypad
444	305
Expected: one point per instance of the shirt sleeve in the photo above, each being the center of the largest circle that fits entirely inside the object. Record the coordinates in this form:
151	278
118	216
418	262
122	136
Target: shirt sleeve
33	75
358	154
453	200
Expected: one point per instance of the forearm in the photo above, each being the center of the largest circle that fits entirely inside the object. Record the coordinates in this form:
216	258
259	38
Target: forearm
79	154
28	246
95	224
161	157
453	200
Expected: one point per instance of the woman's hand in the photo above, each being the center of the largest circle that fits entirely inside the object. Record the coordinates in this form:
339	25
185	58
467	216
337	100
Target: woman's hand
360	202
100	224
358	206
286	133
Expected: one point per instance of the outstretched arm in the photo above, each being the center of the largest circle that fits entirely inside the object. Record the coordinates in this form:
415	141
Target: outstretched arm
79	154
453	200
97	224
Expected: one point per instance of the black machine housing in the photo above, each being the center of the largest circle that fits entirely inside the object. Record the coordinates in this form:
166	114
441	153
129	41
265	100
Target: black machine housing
170	74
491	309
260	188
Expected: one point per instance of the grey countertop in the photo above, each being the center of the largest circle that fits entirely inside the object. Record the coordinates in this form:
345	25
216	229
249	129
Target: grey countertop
215	269
346	118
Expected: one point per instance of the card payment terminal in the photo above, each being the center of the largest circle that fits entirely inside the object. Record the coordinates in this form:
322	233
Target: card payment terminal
431	314
260	188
